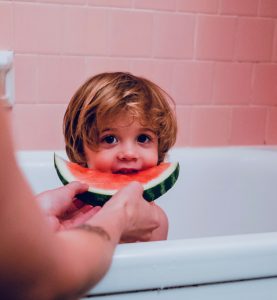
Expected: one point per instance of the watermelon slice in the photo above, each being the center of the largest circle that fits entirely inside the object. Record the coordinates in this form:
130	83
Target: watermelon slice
156	181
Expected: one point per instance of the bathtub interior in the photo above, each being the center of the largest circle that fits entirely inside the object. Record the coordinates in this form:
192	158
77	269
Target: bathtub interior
220	191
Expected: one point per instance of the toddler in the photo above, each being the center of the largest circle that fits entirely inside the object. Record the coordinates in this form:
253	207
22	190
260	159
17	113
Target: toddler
120	123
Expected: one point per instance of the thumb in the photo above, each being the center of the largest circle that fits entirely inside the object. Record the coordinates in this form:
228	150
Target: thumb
133	188
73	188
60	199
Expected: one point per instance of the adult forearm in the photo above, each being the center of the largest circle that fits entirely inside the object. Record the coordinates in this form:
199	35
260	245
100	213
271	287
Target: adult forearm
84	254
85	259
74	262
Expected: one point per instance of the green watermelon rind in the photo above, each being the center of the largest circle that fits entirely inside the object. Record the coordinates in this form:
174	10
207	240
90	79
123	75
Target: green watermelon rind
150	194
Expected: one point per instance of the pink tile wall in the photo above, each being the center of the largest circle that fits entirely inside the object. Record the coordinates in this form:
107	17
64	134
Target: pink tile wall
217	58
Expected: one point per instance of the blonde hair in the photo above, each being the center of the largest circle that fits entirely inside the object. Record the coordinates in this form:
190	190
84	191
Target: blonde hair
105	96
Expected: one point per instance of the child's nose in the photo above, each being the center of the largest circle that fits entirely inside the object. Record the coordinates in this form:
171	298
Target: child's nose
128	152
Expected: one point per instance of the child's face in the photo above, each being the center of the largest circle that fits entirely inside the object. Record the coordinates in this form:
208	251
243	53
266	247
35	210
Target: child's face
125	147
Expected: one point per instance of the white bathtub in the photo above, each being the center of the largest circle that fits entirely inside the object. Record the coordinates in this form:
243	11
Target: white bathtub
222	240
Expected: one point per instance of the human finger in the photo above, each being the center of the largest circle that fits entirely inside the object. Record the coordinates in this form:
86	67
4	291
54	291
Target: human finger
62	198
75	187
79	217
130	192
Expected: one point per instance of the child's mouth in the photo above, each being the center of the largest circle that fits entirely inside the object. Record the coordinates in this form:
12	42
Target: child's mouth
126	171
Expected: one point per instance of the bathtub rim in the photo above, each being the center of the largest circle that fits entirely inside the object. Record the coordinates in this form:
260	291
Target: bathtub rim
199	261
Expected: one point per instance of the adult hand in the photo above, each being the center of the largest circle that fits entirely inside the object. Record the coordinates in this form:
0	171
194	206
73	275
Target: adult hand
141	217
62	209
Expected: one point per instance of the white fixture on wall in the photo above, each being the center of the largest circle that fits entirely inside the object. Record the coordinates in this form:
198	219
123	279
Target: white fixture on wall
7	77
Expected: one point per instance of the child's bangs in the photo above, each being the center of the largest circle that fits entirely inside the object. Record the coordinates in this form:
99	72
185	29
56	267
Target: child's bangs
132	109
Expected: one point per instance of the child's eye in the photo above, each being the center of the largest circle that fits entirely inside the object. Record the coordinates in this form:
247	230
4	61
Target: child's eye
143	138
109	139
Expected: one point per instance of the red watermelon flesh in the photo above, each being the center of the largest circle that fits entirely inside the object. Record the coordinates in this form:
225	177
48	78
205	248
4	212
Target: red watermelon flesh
104	180
102	185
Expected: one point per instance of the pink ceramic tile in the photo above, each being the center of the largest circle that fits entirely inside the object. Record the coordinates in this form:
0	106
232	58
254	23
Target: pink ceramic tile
72	76
85	31
25	29
159	71
248	126
74	30
192	82
6	28
26	83
38	126
37	28
268	8
77	2
265	84
119	65
183	114
153	4
271	128
232	83
275	44
173	35
254	40
130	33
238	7
143	67
49	80
198	6
111	3
59	78
96	31
210	126
215	37
96	65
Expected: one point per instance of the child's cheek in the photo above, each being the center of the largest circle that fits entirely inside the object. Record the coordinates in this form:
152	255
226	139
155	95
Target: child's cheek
103	161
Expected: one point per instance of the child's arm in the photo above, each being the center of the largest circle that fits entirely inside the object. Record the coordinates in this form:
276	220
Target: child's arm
161	232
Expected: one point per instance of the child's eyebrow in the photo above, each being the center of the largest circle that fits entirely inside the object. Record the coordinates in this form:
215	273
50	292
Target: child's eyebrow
148	131
142	129
108	129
